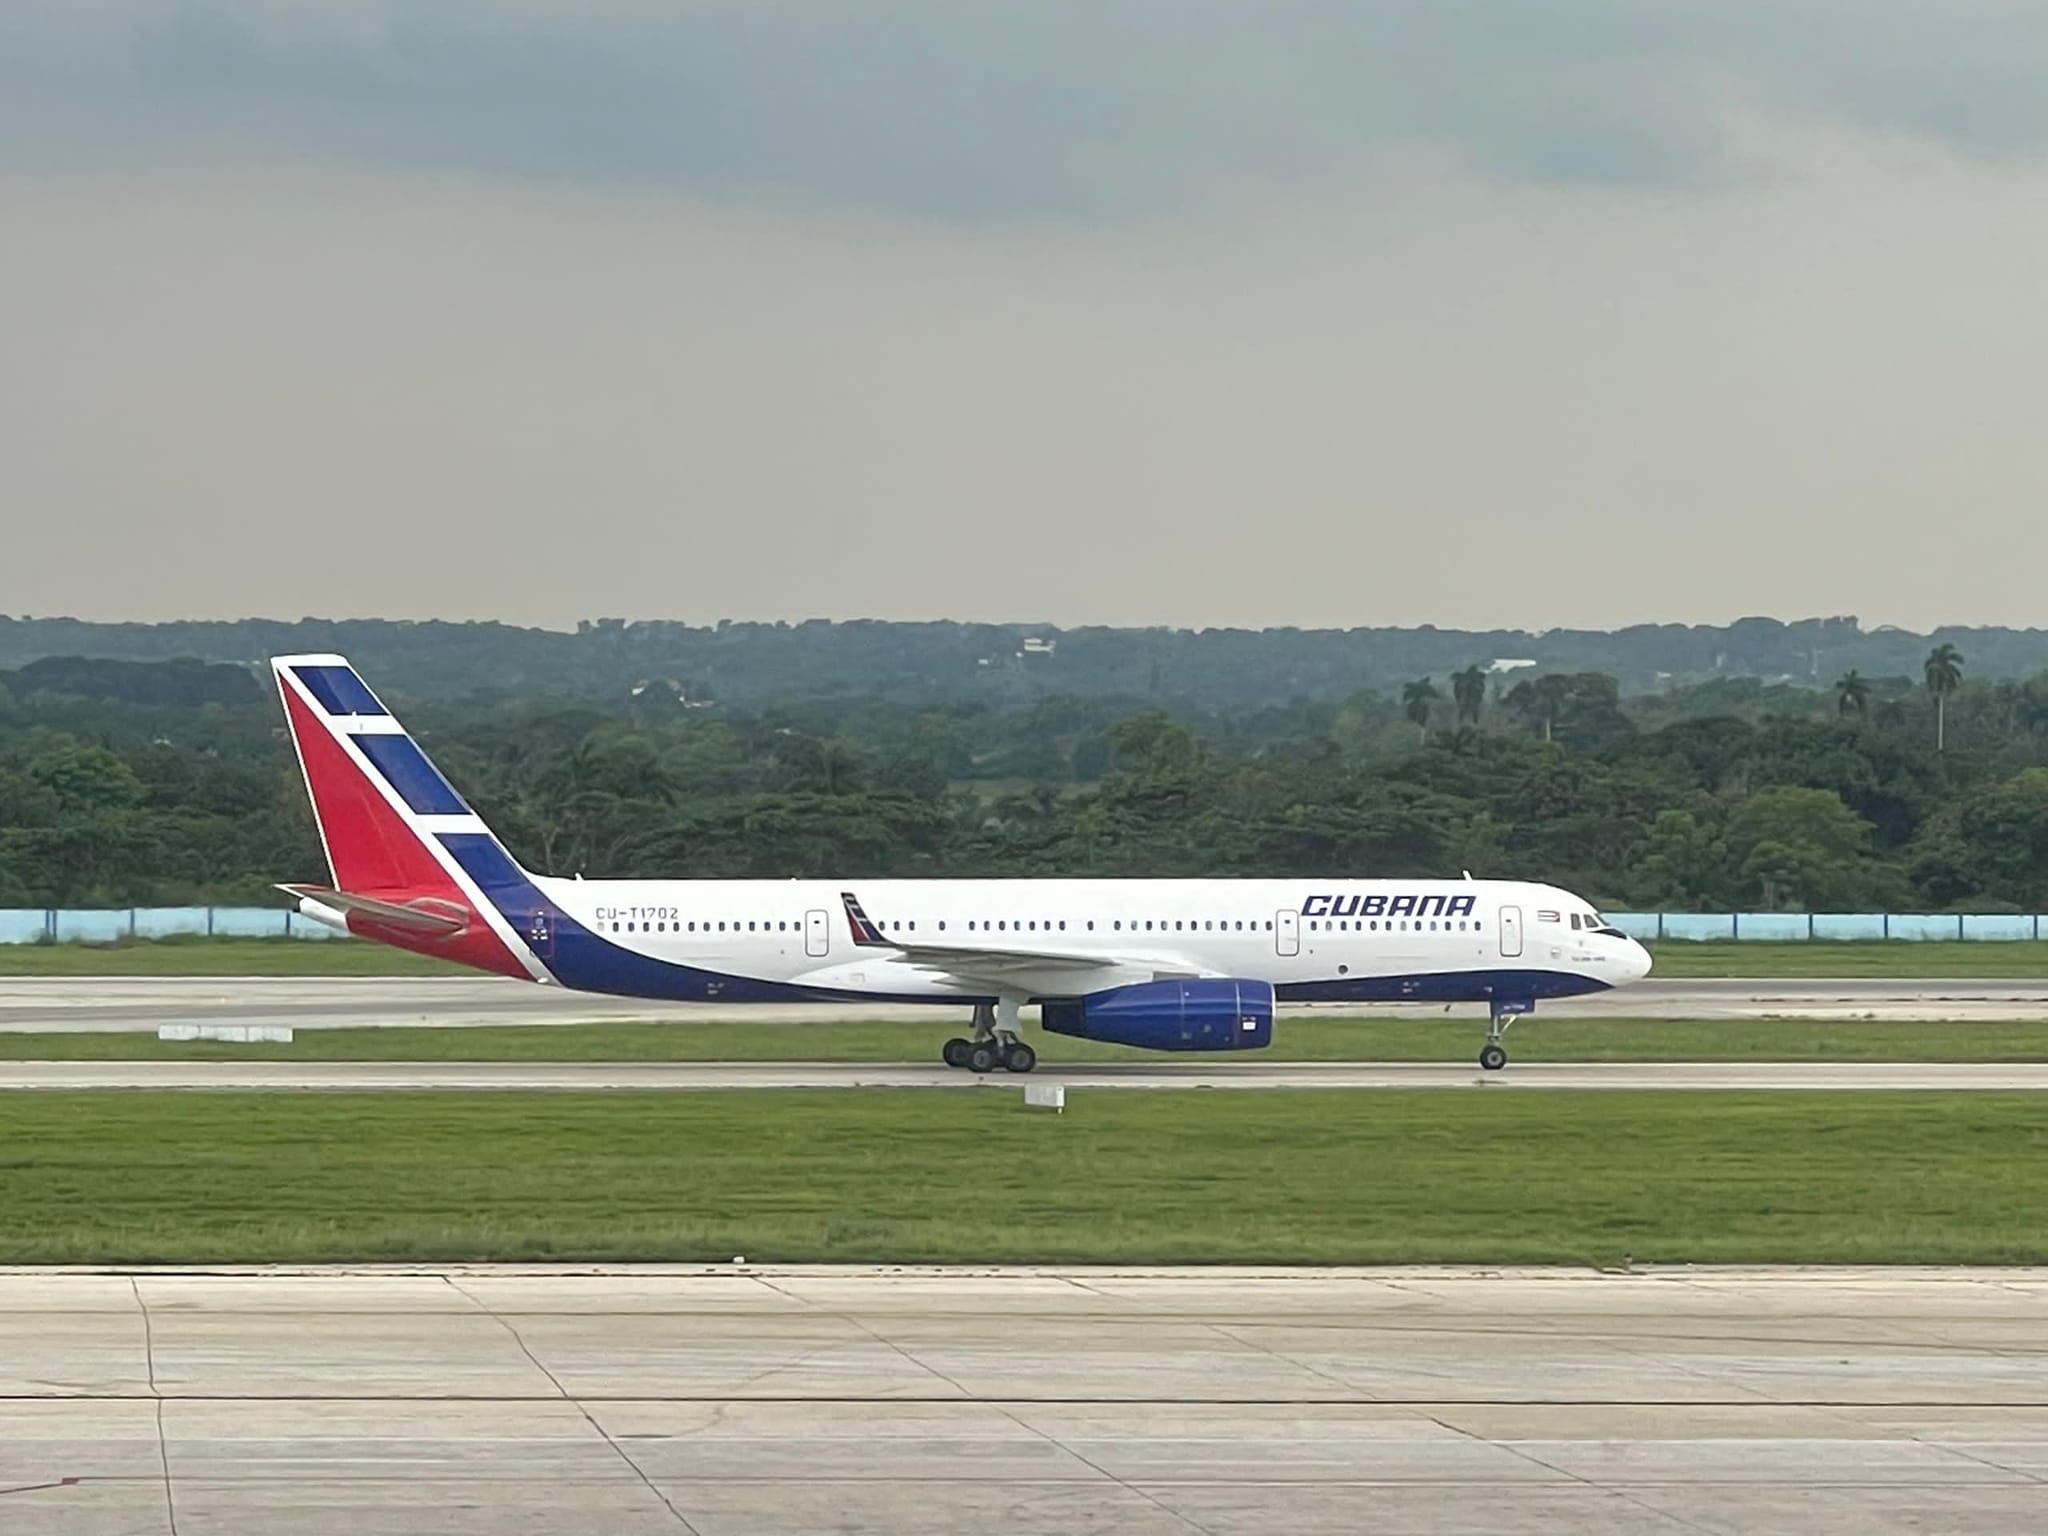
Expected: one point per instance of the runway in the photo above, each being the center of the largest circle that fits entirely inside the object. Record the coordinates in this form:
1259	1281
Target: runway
928	1403
674	1077
75	1004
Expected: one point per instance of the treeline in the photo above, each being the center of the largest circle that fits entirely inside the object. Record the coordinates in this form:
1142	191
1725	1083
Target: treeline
174	782
1004	666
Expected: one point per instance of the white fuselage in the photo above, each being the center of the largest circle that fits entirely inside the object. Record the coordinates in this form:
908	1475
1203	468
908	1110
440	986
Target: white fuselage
1311	938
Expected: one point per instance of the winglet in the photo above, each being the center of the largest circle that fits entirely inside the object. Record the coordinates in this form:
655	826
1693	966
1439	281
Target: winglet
865	933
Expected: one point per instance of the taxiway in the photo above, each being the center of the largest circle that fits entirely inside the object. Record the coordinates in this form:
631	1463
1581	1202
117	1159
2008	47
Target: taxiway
143	1003
926	1403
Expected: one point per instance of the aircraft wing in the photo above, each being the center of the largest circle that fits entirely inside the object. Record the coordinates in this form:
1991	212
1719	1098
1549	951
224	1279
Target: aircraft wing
994	962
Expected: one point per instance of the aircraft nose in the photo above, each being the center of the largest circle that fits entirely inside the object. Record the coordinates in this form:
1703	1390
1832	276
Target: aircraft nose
1638	960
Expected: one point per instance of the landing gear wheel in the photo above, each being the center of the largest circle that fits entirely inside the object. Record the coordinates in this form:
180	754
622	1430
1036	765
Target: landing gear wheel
981	1056
1493	1058
1019	1057
955	1053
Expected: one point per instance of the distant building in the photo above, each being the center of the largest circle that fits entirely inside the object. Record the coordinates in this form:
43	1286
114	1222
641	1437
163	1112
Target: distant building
1509	664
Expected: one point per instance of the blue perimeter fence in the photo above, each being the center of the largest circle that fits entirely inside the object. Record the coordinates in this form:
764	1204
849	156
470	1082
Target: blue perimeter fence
33	925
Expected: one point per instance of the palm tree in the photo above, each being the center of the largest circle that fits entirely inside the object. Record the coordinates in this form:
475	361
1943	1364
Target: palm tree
1540	699
1852	694
1944	674
1416	699
1468	689
1551	689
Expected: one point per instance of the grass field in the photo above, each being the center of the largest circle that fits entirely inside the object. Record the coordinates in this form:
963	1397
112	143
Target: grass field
1308	1039
199	956
1936	957
880	1176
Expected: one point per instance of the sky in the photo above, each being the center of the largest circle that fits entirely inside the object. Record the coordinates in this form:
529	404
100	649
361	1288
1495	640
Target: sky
1312	312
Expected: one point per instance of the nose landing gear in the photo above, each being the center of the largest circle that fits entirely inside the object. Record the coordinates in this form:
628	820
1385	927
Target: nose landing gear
1493	1055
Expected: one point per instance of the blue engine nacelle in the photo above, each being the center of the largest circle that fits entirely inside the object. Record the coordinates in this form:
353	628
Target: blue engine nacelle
1201	1014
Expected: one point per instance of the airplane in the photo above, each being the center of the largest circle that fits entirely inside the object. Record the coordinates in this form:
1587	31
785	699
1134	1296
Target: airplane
1170	965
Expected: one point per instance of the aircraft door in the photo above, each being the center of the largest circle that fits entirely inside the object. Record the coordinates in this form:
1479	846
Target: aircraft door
1287	933
1511	931
817	935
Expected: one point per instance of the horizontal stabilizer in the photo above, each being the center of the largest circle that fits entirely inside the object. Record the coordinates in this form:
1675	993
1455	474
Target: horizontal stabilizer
426	915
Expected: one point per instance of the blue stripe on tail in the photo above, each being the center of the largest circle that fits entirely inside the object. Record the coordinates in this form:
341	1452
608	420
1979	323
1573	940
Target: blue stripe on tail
406	769
340	691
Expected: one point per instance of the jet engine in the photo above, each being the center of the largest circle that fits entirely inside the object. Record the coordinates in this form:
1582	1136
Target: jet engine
1205	1013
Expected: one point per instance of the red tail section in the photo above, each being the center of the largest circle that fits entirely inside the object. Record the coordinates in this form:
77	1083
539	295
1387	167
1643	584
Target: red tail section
370	849
375	849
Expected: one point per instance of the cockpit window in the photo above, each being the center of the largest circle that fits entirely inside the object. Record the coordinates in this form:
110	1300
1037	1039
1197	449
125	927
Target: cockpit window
1575	921
1595	923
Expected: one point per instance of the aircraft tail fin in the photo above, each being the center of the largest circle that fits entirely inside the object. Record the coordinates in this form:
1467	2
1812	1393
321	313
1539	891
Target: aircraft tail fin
386	816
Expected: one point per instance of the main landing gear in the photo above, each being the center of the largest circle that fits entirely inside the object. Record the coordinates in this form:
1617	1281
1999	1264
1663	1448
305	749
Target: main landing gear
1493	1055
995	1043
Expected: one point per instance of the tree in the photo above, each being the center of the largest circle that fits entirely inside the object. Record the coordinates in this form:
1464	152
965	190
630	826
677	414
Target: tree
1801	846
1153	746
1996	840
1540	699
1468	690
1944	674
1852	694
1417	698
86	779
1681	861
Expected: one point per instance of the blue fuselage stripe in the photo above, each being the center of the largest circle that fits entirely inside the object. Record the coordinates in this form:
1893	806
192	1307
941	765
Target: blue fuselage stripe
589	962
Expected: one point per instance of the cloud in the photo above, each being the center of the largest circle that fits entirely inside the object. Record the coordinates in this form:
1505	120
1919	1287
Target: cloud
1018	108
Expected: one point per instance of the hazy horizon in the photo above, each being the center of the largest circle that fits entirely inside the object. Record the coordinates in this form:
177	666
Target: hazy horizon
1317	315
708	622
